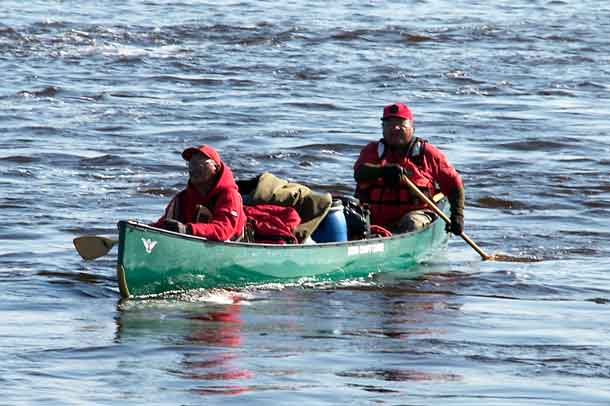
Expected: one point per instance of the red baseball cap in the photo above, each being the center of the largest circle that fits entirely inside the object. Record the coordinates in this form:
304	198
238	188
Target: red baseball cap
206	150
397	110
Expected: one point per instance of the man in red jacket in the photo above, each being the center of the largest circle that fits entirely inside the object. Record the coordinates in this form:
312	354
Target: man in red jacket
211	205
382	164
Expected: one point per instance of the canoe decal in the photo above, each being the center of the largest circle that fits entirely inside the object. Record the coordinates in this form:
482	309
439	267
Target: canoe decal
365	249
149	245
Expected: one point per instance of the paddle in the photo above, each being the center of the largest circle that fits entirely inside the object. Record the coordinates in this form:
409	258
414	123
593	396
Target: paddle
483	254
93	246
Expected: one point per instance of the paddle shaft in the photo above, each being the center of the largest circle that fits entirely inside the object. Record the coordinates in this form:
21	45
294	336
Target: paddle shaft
438	211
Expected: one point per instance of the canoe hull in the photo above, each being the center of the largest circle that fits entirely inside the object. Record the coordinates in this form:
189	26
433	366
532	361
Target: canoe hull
153	261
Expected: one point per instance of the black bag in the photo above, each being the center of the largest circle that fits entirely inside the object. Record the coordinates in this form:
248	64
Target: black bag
357	219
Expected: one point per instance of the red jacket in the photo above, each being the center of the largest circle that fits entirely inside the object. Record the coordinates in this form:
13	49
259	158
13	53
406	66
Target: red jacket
223	200
429	170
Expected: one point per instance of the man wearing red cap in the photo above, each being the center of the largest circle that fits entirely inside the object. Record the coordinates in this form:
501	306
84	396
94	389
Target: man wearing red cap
382	164
211	205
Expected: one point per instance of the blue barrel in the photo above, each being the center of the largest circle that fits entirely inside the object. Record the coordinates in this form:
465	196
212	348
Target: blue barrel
333	227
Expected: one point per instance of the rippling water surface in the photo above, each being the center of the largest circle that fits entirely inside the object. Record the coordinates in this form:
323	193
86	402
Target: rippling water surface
99	98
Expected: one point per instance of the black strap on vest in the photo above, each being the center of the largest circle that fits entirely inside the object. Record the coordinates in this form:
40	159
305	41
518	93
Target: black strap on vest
415	151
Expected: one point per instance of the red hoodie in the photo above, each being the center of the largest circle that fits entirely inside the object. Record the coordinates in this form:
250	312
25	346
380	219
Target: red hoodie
223	200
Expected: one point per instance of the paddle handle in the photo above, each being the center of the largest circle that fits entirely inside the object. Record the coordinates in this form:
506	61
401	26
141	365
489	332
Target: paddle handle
442	215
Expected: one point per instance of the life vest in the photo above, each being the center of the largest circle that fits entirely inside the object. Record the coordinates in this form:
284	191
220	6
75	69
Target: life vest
389	204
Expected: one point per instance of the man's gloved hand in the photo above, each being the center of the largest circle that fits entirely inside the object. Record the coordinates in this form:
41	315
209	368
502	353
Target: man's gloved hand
392	173
202	214
175	226
456	201
457	224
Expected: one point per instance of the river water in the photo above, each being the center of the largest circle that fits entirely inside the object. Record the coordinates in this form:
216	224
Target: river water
98	99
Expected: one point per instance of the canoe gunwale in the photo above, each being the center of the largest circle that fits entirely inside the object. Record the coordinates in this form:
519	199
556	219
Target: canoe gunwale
439	199
242	244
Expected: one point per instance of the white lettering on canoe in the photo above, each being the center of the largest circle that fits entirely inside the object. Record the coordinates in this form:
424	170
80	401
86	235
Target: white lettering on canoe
149	245
365	249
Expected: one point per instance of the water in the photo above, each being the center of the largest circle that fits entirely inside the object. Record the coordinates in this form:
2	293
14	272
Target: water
98	100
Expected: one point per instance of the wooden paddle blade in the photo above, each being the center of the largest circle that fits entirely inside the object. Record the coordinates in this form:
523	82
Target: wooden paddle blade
485	256
509	258
93	246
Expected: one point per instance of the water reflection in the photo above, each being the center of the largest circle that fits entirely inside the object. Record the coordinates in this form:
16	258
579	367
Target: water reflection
208	338
220	328
400	375
407	320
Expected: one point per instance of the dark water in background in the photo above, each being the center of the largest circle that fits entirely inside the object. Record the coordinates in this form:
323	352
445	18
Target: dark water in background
99	98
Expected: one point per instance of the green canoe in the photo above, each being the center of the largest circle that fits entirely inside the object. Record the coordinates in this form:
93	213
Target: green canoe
153	261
